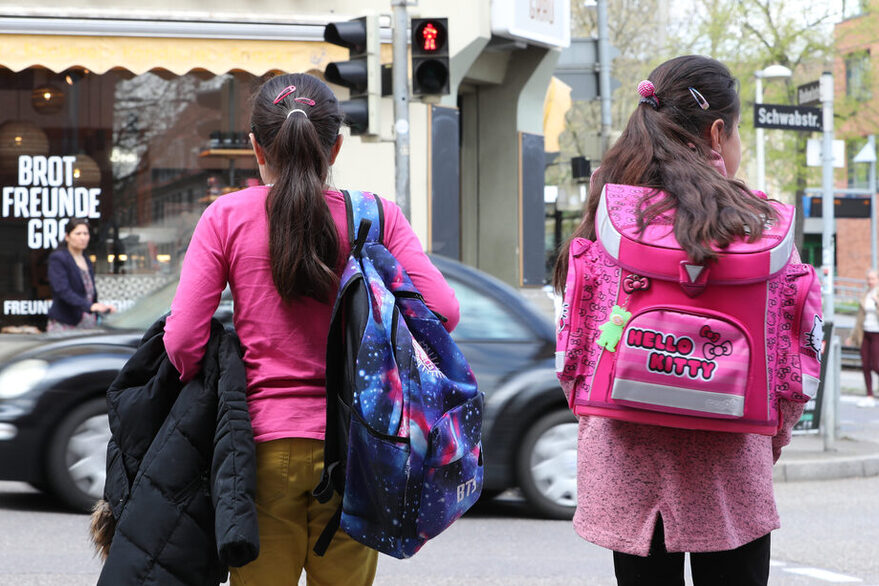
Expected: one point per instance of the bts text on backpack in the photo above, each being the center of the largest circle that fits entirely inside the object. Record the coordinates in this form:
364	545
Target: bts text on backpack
646	336
404	415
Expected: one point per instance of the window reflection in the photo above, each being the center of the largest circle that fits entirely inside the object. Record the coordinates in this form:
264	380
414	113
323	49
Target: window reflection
139	156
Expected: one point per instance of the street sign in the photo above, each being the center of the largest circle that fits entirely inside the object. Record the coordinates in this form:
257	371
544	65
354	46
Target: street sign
866	154
813	153
798	118
578	68
809	94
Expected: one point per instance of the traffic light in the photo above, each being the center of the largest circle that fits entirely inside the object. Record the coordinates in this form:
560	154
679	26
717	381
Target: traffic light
430	56
361	73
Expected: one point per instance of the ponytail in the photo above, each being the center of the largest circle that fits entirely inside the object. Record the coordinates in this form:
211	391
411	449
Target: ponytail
298	128
666	146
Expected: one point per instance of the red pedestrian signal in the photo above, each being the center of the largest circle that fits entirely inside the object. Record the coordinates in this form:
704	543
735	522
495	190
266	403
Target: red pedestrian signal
428	36
430	56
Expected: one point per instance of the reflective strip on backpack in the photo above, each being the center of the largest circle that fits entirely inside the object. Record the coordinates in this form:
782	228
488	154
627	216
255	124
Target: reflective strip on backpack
780	255
608	235
810	386
678	398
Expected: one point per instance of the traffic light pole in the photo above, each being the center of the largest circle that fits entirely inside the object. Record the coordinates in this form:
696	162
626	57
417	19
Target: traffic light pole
604	75
401	105
830	400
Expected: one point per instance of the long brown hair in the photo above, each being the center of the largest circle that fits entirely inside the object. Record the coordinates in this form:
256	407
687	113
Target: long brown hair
668	148
303	240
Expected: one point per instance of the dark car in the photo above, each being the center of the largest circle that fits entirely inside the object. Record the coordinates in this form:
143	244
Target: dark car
53	421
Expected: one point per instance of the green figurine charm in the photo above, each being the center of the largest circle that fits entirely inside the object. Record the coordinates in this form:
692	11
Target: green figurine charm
612	329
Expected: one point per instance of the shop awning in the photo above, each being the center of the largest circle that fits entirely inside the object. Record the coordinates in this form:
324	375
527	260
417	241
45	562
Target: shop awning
137	55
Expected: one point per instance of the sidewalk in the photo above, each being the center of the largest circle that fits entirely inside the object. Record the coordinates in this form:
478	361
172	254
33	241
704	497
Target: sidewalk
856	448
806	459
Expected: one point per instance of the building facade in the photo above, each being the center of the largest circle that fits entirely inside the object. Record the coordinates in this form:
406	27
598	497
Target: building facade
856	75
137	119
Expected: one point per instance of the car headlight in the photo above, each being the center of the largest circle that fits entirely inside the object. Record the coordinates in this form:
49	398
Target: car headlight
20	377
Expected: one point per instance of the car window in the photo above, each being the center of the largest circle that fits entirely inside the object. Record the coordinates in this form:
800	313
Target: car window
145	310
151	307
485	318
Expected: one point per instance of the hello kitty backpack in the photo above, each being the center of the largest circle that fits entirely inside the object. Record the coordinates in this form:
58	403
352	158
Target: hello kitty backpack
646	336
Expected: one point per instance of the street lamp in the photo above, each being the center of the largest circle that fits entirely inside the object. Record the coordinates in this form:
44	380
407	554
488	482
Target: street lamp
771	72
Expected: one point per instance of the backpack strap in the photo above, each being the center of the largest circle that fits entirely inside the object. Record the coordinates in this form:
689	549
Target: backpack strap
366	219
365	224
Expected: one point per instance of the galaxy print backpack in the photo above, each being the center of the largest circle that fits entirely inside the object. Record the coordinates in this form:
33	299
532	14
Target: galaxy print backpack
404	415
647	336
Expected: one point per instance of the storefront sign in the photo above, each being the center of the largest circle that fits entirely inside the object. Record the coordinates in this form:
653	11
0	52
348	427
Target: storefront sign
47	197
542	22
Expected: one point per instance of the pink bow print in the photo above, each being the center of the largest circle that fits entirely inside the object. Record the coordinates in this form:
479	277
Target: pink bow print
707	332
634	283
712	351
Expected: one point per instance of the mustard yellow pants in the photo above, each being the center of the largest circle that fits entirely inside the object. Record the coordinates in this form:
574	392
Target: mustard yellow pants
291	520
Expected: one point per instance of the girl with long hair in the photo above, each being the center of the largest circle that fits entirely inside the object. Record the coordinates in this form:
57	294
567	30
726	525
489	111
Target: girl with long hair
652	493
281	248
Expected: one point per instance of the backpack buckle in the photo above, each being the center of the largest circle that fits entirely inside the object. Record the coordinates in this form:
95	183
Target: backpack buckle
692	278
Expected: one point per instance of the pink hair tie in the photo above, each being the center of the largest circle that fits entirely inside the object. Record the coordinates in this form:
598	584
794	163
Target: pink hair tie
648	94
284	93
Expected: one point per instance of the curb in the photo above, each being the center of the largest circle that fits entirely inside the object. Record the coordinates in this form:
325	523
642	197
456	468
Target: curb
826	469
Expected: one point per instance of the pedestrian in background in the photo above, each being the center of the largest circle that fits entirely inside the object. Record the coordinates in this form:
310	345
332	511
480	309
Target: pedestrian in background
72	279
281	247
652	493
866	335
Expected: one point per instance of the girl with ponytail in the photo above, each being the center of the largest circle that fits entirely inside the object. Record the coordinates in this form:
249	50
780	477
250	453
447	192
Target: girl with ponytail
281	247
652	493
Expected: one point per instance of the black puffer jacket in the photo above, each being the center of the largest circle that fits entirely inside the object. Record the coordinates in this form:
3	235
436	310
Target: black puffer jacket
181	469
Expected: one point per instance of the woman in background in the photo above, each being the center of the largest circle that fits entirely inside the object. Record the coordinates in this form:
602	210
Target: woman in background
72	278
866	335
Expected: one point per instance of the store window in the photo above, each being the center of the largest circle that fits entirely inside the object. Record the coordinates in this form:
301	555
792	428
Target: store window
139	157
857	76
855	8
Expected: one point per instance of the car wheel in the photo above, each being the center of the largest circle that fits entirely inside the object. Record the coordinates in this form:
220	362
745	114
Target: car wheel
487	495
547	465
77	458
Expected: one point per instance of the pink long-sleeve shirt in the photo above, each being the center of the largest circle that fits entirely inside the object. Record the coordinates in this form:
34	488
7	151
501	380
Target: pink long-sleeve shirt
284	343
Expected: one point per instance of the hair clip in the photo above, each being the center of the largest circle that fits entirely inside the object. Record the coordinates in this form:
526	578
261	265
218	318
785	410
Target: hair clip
296	110
284	93
306	101
700	99
648	94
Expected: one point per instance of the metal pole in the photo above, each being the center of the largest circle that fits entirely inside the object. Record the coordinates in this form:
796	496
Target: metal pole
827	211
829	419
827	253
401	105
761	152
604	75
873	213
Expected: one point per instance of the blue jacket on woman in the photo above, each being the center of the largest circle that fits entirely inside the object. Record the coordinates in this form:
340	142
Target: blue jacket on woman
69	300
